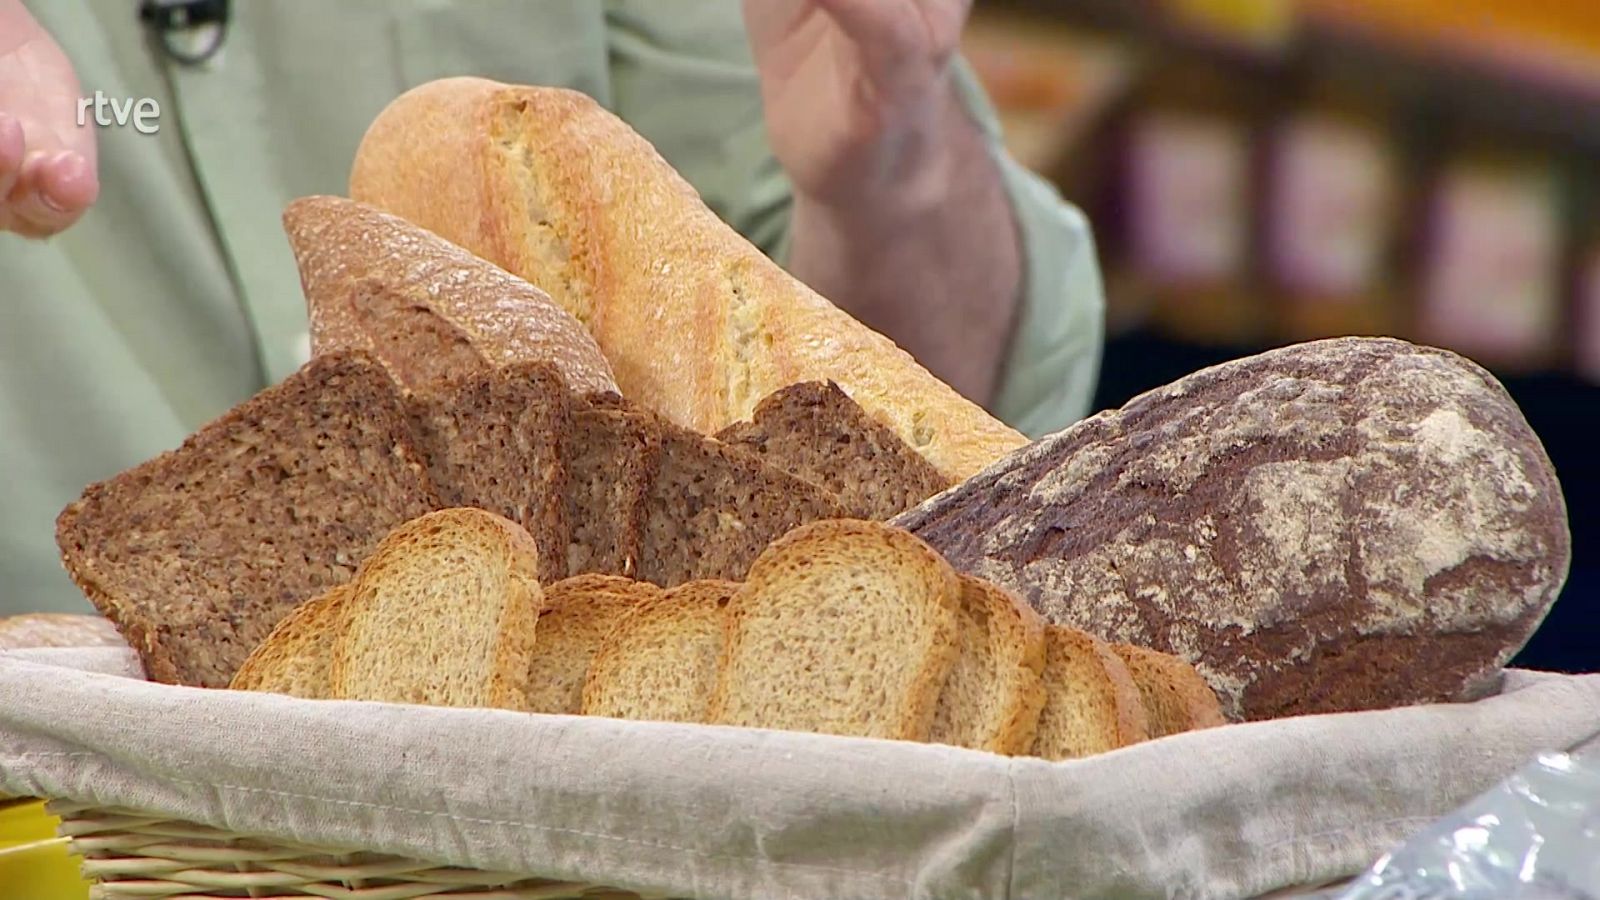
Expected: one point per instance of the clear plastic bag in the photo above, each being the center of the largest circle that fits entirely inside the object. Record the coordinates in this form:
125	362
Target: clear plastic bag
1534	836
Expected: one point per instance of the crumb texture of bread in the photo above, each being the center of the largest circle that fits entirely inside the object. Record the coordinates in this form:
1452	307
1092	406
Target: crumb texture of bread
198	553
577	615
711	509
498	440
1175	695
814	431
659	662
1091	703
430	310
443	614
845	627
295	658
995	692
697	322
34	630
611	462
1332	526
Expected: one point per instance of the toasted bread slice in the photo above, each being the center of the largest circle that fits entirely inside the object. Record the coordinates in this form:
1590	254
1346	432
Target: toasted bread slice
577	615
711	509
198	553
295	657
659	662
1176	696
995	691
442	614
497	440
1091	702
814	431
844	627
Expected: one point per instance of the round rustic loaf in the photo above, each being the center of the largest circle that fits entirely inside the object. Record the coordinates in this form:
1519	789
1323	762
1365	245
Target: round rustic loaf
1338	525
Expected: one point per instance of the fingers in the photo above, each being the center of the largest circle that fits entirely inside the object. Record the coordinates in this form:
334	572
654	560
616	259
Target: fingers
50	193
11	153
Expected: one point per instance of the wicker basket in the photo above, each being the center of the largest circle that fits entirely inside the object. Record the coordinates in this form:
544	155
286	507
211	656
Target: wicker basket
128	855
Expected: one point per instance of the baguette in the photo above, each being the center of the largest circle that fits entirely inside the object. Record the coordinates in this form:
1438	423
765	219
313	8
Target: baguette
697	322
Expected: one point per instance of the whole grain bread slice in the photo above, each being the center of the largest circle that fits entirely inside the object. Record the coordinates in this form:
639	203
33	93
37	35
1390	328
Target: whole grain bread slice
711	509
845	627
577	615
1176	696
197	554
995	691
1092	704
814	431
659	662
611	463
443	613
295	658
497	440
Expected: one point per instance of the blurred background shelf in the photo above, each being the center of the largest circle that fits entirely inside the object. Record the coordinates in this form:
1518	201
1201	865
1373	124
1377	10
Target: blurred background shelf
1260	172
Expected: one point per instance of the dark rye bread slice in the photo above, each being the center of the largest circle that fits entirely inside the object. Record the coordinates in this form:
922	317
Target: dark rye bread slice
711	509
497	440
814	431
1339	525
611	460
197	554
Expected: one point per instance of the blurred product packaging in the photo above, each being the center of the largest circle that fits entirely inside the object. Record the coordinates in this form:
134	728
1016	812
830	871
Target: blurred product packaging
1535	836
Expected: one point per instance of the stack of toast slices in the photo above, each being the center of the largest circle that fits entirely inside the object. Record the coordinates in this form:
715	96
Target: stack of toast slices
842	626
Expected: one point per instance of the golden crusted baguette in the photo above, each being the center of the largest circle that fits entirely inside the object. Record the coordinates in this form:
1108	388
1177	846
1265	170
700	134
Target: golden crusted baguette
427	308
696	321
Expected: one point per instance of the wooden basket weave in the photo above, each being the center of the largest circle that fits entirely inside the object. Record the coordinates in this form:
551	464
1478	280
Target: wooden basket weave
127	855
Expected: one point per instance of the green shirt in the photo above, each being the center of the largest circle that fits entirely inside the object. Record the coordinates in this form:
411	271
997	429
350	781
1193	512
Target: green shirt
177	296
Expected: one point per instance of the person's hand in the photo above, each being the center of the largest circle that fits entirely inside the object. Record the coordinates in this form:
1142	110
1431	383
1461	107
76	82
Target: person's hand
47	163
854	90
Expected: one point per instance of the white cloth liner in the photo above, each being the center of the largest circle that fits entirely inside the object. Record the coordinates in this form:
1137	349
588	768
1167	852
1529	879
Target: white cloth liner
707	812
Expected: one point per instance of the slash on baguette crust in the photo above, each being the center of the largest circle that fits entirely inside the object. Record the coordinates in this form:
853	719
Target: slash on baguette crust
443	613
844	627
427	308
1091	702
196	554
995	691
696	321
577	615
659	662
295	657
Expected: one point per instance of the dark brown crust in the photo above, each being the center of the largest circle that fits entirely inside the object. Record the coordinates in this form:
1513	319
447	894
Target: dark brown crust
814	431
1428	530
198	553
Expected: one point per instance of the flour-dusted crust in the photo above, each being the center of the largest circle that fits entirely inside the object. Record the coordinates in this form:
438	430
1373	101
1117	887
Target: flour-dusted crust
1343	524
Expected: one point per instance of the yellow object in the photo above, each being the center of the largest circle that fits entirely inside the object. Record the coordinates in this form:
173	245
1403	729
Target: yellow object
34	864
1267	23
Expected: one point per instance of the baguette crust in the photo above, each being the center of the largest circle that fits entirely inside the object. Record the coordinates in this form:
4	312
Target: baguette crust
427	308
696	321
